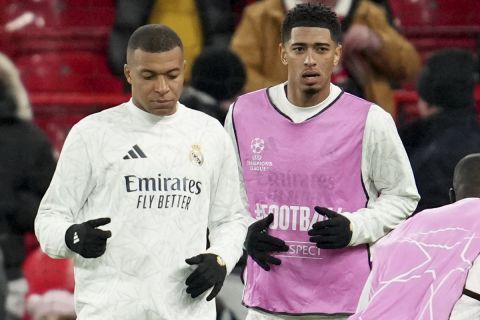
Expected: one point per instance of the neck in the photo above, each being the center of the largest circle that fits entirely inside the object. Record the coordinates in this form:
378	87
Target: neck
303	98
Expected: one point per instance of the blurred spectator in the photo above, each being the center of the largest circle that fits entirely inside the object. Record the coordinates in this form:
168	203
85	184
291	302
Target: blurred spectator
199	23
374	52
218	76
26	168
51	285
448	128
3	287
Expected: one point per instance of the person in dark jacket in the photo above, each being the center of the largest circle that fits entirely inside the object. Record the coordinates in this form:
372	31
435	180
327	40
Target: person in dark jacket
216	26
218	77
26	167
448	128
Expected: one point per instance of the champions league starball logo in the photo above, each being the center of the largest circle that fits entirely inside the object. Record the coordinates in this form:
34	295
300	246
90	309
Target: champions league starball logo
256	163
257	145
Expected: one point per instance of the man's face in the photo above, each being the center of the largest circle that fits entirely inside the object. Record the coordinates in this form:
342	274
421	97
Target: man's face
310	56
156	79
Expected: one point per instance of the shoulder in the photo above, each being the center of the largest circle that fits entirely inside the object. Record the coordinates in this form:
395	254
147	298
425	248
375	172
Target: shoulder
250	96
92	125
101	118
378	113
199	119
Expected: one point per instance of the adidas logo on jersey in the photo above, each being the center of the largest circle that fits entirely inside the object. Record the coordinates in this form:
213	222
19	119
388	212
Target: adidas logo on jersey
135	153
76	239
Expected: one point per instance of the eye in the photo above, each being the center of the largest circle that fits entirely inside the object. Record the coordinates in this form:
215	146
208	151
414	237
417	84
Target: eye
148	76
298	49
173	76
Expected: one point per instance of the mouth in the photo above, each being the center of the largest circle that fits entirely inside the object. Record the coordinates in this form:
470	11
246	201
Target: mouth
310	73
310	77
160	102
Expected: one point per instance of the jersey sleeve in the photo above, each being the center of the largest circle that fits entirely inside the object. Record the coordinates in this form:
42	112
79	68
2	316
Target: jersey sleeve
68	190
388	180
228	213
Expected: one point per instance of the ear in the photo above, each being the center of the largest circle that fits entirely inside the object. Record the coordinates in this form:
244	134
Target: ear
126	72
452	196
338	54
283	54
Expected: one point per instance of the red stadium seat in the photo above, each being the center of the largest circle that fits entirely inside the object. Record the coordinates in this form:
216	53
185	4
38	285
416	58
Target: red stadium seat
436	24
436	13
44	25
65	71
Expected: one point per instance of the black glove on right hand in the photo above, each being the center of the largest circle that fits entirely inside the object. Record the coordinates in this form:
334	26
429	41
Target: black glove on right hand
259	243
86	240
333	233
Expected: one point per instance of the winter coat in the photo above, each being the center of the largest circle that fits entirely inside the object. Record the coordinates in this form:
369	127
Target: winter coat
257	37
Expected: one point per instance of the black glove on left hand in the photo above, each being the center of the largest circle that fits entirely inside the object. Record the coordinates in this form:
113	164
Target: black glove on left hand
211	272
333	233
86	239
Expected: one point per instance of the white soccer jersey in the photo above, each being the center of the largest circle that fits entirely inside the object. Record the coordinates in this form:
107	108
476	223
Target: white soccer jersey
468	308
386	173
162	181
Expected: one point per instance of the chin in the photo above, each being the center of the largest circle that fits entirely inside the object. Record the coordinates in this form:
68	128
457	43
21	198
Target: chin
311	91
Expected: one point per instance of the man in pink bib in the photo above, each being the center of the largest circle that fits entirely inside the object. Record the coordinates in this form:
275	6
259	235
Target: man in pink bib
306	144
421	269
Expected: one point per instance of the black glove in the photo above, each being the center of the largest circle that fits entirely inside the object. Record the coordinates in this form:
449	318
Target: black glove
259	243
333	233
86	240
211	272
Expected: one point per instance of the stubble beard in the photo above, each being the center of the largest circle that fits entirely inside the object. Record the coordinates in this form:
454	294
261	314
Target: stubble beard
309	92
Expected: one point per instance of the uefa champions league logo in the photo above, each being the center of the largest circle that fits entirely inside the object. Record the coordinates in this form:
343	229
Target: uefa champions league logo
257	145
256	163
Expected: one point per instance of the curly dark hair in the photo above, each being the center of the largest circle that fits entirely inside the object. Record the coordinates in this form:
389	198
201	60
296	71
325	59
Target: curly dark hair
311	15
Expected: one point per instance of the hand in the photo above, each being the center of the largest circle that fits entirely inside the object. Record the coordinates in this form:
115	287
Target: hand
259	243
333	233
360	39
86	240
211	272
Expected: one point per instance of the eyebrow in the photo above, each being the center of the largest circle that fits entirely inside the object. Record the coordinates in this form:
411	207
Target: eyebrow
315	44
154	72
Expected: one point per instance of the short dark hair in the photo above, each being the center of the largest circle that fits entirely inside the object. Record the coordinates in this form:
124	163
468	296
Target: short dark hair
466	178
154	38
311	15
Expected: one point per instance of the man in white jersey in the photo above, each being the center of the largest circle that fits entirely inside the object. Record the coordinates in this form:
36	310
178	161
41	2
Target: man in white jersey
306	144
136	188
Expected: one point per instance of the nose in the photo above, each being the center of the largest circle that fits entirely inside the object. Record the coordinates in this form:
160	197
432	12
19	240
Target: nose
161	85
309	58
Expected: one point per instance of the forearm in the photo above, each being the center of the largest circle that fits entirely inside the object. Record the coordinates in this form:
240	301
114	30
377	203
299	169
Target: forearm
50	228
228	218
387	178
381	216
227	240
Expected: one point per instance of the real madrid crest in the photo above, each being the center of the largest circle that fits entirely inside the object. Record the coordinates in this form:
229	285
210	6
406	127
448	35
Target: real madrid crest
196	155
